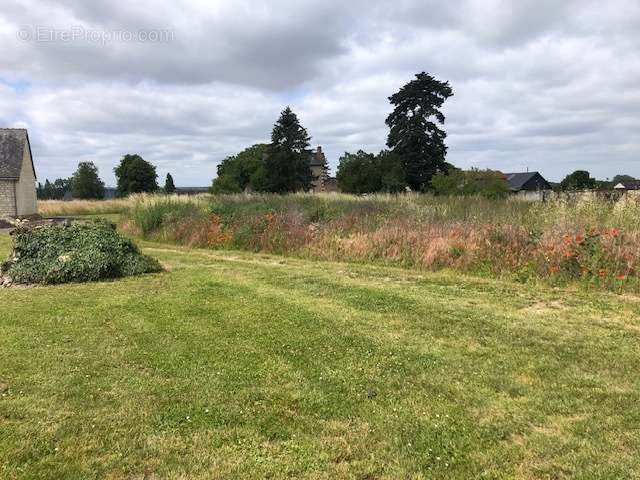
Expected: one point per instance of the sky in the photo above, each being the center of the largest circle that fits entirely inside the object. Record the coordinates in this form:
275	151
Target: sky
544	85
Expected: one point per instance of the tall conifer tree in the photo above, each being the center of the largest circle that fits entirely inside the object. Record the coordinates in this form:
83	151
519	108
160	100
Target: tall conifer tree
288	160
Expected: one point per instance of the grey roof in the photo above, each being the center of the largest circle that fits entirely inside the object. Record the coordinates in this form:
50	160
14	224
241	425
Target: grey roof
517	180
12	144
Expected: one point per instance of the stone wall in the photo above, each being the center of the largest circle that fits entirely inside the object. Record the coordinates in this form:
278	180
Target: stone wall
26	187
7	198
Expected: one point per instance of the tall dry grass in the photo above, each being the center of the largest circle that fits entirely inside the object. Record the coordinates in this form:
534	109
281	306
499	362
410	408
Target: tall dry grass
593	239
61	208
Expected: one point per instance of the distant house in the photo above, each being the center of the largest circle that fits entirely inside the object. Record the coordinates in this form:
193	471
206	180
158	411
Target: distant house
625	186
527	181
321	182
17	174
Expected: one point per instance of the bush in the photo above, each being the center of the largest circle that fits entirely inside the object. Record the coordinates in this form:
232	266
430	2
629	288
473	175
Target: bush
80	252
364	172
487	183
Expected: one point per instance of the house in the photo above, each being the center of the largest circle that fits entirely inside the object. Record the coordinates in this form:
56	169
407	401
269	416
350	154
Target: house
528	185
17	174
626	186
321	182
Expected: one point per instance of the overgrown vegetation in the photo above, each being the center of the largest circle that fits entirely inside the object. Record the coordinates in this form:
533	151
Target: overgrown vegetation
592	241
78	252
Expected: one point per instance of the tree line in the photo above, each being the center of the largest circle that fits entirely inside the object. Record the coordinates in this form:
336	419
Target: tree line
416	150
134	175
415	159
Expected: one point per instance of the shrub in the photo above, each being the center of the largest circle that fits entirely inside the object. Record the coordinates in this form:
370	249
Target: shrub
79	252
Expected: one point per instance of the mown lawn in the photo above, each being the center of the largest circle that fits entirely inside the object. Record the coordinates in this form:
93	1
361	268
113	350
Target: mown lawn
233	365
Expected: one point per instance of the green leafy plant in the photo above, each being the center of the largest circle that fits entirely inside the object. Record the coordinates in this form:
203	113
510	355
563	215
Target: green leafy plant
79	252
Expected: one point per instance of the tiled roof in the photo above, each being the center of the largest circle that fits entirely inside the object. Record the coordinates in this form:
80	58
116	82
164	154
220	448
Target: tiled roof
12	145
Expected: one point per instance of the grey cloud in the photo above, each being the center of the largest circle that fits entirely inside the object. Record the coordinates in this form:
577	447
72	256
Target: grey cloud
547	85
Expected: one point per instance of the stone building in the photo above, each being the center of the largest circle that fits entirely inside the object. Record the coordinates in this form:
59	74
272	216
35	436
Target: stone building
17	175
322	182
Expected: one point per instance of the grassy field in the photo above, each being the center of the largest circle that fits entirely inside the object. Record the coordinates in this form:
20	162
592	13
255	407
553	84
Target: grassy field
240	365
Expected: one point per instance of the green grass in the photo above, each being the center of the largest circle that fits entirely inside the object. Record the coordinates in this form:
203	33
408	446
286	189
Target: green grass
237	365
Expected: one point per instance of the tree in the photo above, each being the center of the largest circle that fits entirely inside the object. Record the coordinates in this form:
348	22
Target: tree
578	180
55	190
392	174
623	179
135	175
225	184
169	186
85	183
487	183
364	172
47	190
242	171
358	173
287	165
414	134
60	187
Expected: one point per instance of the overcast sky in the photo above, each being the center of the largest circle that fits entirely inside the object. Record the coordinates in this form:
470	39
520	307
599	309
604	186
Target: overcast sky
546	85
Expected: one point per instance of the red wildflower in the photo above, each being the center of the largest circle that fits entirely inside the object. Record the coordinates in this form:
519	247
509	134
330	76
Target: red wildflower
621	276
602	273
579	239
554	269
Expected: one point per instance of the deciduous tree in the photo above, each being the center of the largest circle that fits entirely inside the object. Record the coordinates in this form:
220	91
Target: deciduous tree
135	175
578	180
86	184
245	170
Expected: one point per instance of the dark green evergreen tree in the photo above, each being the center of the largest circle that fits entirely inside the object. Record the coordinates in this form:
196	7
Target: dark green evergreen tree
47	190
135	175
85	183
60	187
414	132
169	186
287	166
